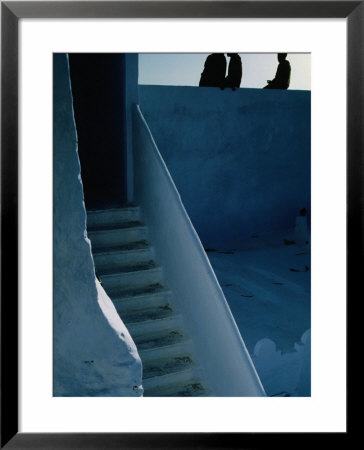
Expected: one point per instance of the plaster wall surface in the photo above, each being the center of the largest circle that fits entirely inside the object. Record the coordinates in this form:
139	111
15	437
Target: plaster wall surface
227	367
240	160
93	353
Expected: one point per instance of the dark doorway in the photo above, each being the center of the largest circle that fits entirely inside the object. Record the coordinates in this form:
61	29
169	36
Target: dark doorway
98	89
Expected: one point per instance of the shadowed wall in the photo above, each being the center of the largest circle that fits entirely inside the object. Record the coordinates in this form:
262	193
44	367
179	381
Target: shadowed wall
98	85
240	160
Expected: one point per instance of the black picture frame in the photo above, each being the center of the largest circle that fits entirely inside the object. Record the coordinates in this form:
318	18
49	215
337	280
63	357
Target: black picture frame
11	12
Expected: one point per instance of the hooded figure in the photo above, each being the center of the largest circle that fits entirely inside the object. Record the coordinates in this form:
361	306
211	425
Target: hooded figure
213	74
235	71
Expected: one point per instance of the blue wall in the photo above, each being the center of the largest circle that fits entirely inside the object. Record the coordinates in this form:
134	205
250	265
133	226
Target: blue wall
86	326
240	160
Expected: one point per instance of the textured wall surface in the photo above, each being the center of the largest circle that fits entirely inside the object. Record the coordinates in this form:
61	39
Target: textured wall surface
94	354
240	160
228	369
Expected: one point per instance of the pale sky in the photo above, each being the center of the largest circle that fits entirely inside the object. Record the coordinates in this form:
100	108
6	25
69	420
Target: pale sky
183	69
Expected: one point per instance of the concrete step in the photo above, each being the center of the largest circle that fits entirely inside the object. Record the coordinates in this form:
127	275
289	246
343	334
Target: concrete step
189	388
115	269
175	378
158	325
169	365
123	234
158	340
114	226
138	299
149	313
121	256
131	278
169	350
112	216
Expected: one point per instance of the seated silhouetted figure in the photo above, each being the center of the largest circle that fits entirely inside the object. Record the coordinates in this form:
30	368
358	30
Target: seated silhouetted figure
213	74
283	74
235	72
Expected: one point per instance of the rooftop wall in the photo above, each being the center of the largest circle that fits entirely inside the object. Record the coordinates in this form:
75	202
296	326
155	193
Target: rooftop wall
240	160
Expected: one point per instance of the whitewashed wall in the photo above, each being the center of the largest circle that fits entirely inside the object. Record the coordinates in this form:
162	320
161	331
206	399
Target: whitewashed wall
94	354
240	160
196	292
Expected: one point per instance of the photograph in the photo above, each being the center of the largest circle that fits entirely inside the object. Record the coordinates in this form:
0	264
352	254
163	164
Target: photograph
181	212
182	224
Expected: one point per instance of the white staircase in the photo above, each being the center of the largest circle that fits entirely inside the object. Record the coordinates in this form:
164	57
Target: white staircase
125	265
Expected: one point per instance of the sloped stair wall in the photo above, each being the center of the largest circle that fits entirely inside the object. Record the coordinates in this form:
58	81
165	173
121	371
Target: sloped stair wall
196	292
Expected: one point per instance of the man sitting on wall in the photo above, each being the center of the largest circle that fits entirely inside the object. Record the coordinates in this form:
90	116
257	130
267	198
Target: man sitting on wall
283	74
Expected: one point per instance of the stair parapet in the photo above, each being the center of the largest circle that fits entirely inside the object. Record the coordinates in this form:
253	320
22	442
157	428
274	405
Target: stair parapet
220	349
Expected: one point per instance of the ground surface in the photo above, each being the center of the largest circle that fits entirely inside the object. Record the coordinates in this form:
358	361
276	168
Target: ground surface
267	285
